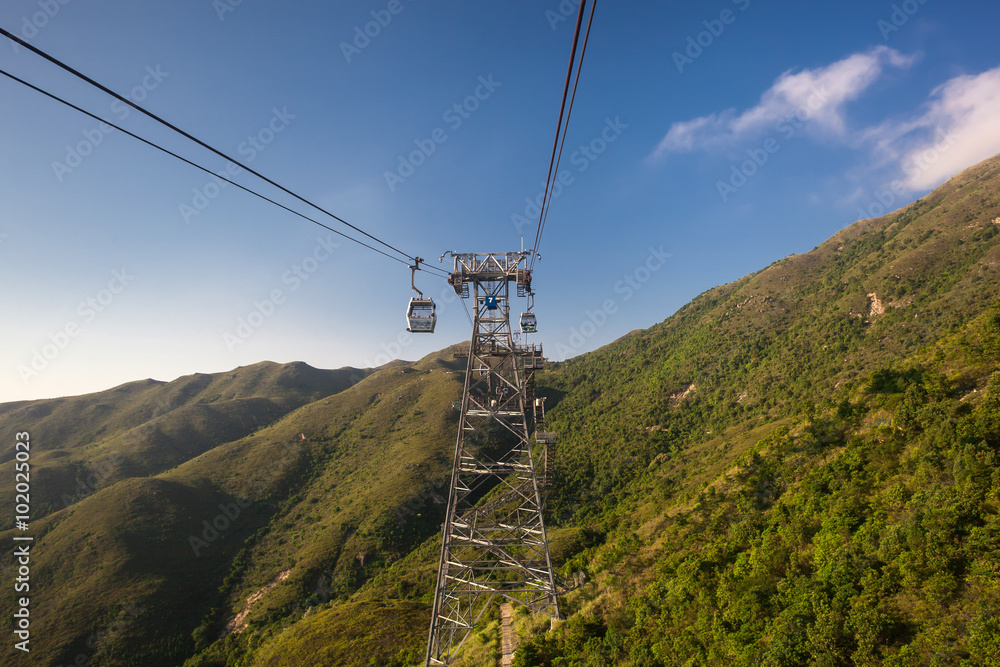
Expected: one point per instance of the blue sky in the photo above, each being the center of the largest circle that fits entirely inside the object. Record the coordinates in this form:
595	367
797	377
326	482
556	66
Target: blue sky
708	140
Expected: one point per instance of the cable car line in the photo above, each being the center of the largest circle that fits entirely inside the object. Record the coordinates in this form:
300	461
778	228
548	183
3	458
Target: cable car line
467	313
562	109
440	272
195	165
173	127
547	200
421	313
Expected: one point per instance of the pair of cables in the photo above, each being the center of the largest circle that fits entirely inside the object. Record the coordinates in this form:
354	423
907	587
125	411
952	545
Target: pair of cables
409	260
564	115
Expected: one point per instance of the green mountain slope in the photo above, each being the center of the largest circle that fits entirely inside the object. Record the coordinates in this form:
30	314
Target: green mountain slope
786	339
797	468
332	489
727	476
85	443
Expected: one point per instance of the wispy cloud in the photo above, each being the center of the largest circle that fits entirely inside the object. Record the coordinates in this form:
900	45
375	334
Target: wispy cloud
957	129
814	95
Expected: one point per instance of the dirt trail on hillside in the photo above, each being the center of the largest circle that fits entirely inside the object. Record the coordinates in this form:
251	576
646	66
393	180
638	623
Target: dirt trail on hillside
508	640
237	624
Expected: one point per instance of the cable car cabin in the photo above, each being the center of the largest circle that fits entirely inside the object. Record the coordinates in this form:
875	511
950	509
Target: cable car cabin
421	316
528	323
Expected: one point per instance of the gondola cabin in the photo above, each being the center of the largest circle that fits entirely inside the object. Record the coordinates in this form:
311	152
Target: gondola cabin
528	323
421	316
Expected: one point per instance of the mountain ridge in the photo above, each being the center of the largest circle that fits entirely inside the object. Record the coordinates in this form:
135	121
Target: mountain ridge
793	468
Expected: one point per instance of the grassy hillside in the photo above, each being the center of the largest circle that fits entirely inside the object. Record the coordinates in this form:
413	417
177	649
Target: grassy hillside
797	468
728	477
183	549
85	443
788	339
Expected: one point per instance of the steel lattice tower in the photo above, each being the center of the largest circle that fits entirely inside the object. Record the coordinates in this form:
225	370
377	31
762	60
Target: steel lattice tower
494	536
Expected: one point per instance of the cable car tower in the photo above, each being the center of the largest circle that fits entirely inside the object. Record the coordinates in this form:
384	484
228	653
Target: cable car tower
494	536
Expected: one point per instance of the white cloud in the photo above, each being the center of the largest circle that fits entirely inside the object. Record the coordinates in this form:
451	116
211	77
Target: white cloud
958	129
816	96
